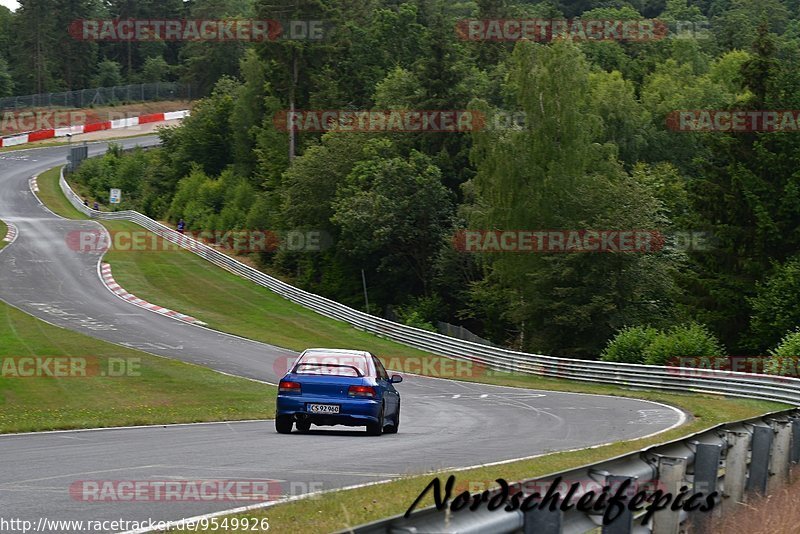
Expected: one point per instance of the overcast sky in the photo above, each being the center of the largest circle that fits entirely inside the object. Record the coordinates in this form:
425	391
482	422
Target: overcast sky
11	4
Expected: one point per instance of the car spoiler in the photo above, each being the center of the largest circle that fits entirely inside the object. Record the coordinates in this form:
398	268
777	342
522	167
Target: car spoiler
353	367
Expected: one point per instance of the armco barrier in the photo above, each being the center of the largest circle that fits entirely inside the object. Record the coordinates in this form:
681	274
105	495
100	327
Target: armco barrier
731	384
719	456
734	459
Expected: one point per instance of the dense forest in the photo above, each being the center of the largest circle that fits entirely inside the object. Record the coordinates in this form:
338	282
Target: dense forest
594	151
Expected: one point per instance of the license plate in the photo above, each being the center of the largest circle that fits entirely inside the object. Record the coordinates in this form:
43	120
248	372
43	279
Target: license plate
323	408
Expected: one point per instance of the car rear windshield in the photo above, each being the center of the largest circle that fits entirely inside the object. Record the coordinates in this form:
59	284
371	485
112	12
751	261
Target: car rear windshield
333	365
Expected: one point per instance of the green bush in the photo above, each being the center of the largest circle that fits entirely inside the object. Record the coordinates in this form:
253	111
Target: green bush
421	312
629	344
783	358
683	341
416	320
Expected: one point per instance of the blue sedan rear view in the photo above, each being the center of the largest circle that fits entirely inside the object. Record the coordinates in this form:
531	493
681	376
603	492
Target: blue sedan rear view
328	387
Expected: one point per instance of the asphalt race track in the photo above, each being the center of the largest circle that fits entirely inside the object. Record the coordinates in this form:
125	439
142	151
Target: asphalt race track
445	423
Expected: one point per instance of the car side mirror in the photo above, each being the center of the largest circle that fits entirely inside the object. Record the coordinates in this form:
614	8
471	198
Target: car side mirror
396	379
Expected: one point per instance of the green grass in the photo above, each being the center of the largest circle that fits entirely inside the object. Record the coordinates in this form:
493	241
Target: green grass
182	281
51	195
38	144
3	231
153	390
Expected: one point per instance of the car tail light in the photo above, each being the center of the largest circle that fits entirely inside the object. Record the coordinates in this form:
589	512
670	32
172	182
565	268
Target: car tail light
287	386
361	391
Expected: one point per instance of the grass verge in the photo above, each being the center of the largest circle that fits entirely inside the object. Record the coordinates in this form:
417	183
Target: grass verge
182	281
51	195
777	513
137	389
3	232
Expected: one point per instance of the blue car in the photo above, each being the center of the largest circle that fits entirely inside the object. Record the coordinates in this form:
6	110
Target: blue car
328	387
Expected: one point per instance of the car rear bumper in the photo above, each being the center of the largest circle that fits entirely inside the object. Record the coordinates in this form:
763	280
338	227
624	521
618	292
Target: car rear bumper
352	412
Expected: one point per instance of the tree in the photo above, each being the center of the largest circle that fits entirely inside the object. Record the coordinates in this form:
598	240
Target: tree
204	138
204	63
6	36
155	69
625	121
774	305
109	74
76	57
34	46
6	83
746	193
553	174
291	62
393	213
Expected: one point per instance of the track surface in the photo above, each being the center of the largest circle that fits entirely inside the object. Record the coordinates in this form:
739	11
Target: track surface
445	423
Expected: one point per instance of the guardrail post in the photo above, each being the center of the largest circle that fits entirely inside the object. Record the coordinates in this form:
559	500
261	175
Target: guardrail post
543	521
624	523
779	459
706	474
671	472
735	468
795	439
759	459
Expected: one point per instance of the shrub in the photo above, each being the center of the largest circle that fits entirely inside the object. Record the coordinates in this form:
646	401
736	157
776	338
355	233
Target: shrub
783	358
683	341
420	312
629	344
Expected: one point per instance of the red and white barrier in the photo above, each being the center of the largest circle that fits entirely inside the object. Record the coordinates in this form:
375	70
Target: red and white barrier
38	135
11	233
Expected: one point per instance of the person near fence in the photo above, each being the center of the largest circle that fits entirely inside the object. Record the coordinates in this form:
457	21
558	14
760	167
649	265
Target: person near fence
181	226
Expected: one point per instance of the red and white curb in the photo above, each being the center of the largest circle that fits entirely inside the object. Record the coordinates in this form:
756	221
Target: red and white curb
34	184
114	287
77	129
11	234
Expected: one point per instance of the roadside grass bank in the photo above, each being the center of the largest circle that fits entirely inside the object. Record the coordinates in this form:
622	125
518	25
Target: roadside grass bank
53	198
69	391
3	231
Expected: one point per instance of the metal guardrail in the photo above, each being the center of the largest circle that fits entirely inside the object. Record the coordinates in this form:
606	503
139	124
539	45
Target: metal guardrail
734	459
717	458
730	384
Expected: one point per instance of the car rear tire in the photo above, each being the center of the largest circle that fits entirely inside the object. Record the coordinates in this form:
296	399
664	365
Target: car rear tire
376	429
303	426
283	424
392	429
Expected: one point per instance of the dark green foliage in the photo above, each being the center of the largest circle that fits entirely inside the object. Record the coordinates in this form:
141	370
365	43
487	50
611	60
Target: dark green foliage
629	345
682	341
593	152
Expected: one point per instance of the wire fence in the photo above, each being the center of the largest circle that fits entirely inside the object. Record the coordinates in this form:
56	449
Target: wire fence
82	98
